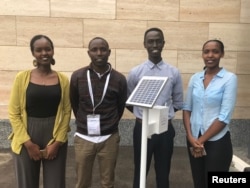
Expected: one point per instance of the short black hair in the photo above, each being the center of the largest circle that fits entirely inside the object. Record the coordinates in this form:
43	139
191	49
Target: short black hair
153	29
100	39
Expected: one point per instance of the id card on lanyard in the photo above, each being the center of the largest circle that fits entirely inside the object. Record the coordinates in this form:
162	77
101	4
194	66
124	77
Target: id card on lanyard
93	120
93	124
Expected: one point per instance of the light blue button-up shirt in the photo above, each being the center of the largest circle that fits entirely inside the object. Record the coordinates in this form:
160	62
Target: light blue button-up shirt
207	104
172	92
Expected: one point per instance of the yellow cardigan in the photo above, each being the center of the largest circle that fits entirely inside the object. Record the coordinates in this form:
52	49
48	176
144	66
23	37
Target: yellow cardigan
18	114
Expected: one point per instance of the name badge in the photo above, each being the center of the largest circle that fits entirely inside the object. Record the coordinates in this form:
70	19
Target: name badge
93	125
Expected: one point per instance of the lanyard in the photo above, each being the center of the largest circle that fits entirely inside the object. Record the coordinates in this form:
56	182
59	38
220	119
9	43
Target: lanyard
91	91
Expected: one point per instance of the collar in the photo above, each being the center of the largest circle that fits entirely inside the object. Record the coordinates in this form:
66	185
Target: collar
220	74
152	65
100	75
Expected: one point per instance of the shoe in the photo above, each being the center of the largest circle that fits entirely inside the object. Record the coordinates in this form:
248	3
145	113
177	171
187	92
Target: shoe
247	169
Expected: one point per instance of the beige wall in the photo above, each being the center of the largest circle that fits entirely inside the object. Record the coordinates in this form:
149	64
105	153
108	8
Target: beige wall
187	24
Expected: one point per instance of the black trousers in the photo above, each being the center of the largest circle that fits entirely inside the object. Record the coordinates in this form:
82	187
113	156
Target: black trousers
219	157
161	147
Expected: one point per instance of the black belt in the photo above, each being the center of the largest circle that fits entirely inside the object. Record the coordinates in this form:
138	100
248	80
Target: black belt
140	121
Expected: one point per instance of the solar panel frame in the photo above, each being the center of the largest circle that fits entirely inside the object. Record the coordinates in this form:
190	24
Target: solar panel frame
147	91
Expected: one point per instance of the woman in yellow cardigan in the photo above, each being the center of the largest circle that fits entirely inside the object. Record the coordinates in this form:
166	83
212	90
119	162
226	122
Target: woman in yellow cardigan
39	113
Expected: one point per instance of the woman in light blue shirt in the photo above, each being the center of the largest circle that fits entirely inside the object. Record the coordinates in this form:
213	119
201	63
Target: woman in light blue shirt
207	111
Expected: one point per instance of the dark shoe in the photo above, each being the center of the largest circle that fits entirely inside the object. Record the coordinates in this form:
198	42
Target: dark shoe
247	169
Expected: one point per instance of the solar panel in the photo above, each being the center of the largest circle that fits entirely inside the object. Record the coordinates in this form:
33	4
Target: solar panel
146	91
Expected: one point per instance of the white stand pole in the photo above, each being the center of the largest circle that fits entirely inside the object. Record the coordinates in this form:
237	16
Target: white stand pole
144	148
